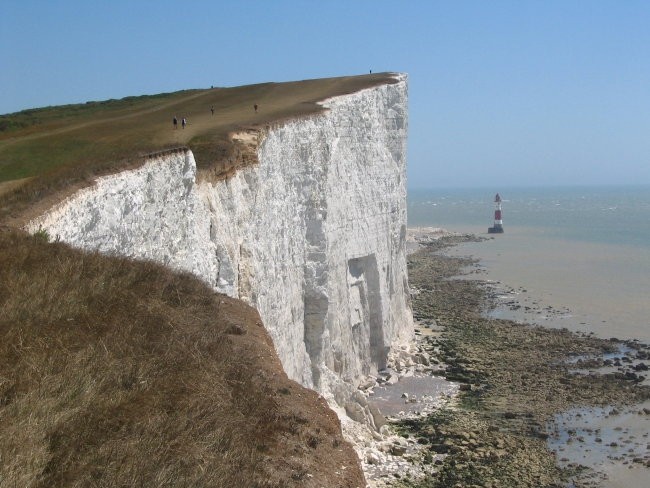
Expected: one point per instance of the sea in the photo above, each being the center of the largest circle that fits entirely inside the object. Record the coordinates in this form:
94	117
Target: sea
574	257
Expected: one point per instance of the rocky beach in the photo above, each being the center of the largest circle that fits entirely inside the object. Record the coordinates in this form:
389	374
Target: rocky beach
521	389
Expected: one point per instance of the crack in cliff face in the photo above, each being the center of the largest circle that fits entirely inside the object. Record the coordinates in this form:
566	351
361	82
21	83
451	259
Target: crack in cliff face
312	235
367	321
316	300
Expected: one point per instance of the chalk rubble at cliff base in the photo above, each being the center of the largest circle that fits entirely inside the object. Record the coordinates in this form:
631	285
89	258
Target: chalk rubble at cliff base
384	453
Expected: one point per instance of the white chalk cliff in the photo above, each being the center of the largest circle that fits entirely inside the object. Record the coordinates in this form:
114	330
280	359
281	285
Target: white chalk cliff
313	236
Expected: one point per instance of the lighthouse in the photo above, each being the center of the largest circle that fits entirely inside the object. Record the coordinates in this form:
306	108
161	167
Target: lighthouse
498	223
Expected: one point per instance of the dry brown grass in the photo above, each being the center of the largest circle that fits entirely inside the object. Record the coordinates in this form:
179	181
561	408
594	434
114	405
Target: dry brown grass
115	373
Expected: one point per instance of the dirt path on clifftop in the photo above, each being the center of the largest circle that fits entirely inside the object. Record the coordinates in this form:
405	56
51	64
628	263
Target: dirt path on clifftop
4	141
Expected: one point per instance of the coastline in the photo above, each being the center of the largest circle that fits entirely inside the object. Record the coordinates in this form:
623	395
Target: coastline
514	380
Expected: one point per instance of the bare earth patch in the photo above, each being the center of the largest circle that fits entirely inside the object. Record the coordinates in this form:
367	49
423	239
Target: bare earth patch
8	186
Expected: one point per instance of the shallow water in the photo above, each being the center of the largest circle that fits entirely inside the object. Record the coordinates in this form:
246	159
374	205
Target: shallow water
411	394
591	287
616	443
570	285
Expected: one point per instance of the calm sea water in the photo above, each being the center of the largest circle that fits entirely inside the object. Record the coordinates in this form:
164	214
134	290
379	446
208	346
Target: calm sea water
583	251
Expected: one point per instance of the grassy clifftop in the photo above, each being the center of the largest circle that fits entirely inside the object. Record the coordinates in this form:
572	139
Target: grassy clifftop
57	148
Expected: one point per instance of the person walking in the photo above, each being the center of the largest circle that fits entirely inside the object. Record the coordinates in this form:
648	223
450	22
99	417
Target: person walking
184	122
175	121
255	107
212	109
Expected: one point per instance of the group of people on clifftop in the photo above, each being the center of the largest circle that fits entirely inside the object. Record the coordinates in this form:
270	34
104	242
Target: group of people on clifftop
183	122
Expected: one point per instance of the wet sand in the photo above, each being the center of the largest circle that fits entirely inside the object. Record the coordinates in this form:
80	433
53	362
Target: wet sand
520	385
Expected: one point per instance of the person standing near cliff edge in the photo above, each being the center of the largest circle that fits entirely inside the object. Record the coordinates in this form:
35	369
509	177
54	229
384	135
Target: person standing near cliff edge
184	122
175	122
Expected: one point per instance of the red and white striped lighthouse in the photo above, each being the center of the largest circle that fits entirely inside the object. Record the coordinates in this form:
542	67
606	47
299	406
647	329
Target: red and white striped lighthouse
498	222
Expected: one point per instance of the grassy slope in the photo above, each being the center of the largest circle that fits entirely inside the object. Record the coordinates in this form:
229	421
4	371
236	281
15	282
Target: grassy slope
73	143
115	373
118	373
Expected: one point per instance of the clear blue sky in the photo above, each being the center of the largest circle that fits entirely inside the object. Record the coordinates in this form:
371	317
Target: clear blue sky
502	93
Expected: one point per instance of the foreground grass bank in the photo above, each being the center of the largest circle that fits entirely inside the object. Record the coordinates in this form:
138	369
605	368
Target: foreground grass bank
116	373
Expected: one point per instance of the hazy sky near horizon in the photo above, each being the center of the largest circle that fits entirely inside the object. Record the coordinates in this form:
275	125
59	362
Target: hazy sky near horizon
501	93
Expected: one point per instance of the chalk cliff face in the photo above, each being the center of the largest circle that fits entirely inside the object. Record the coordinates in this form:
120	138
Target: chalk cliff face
313	236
